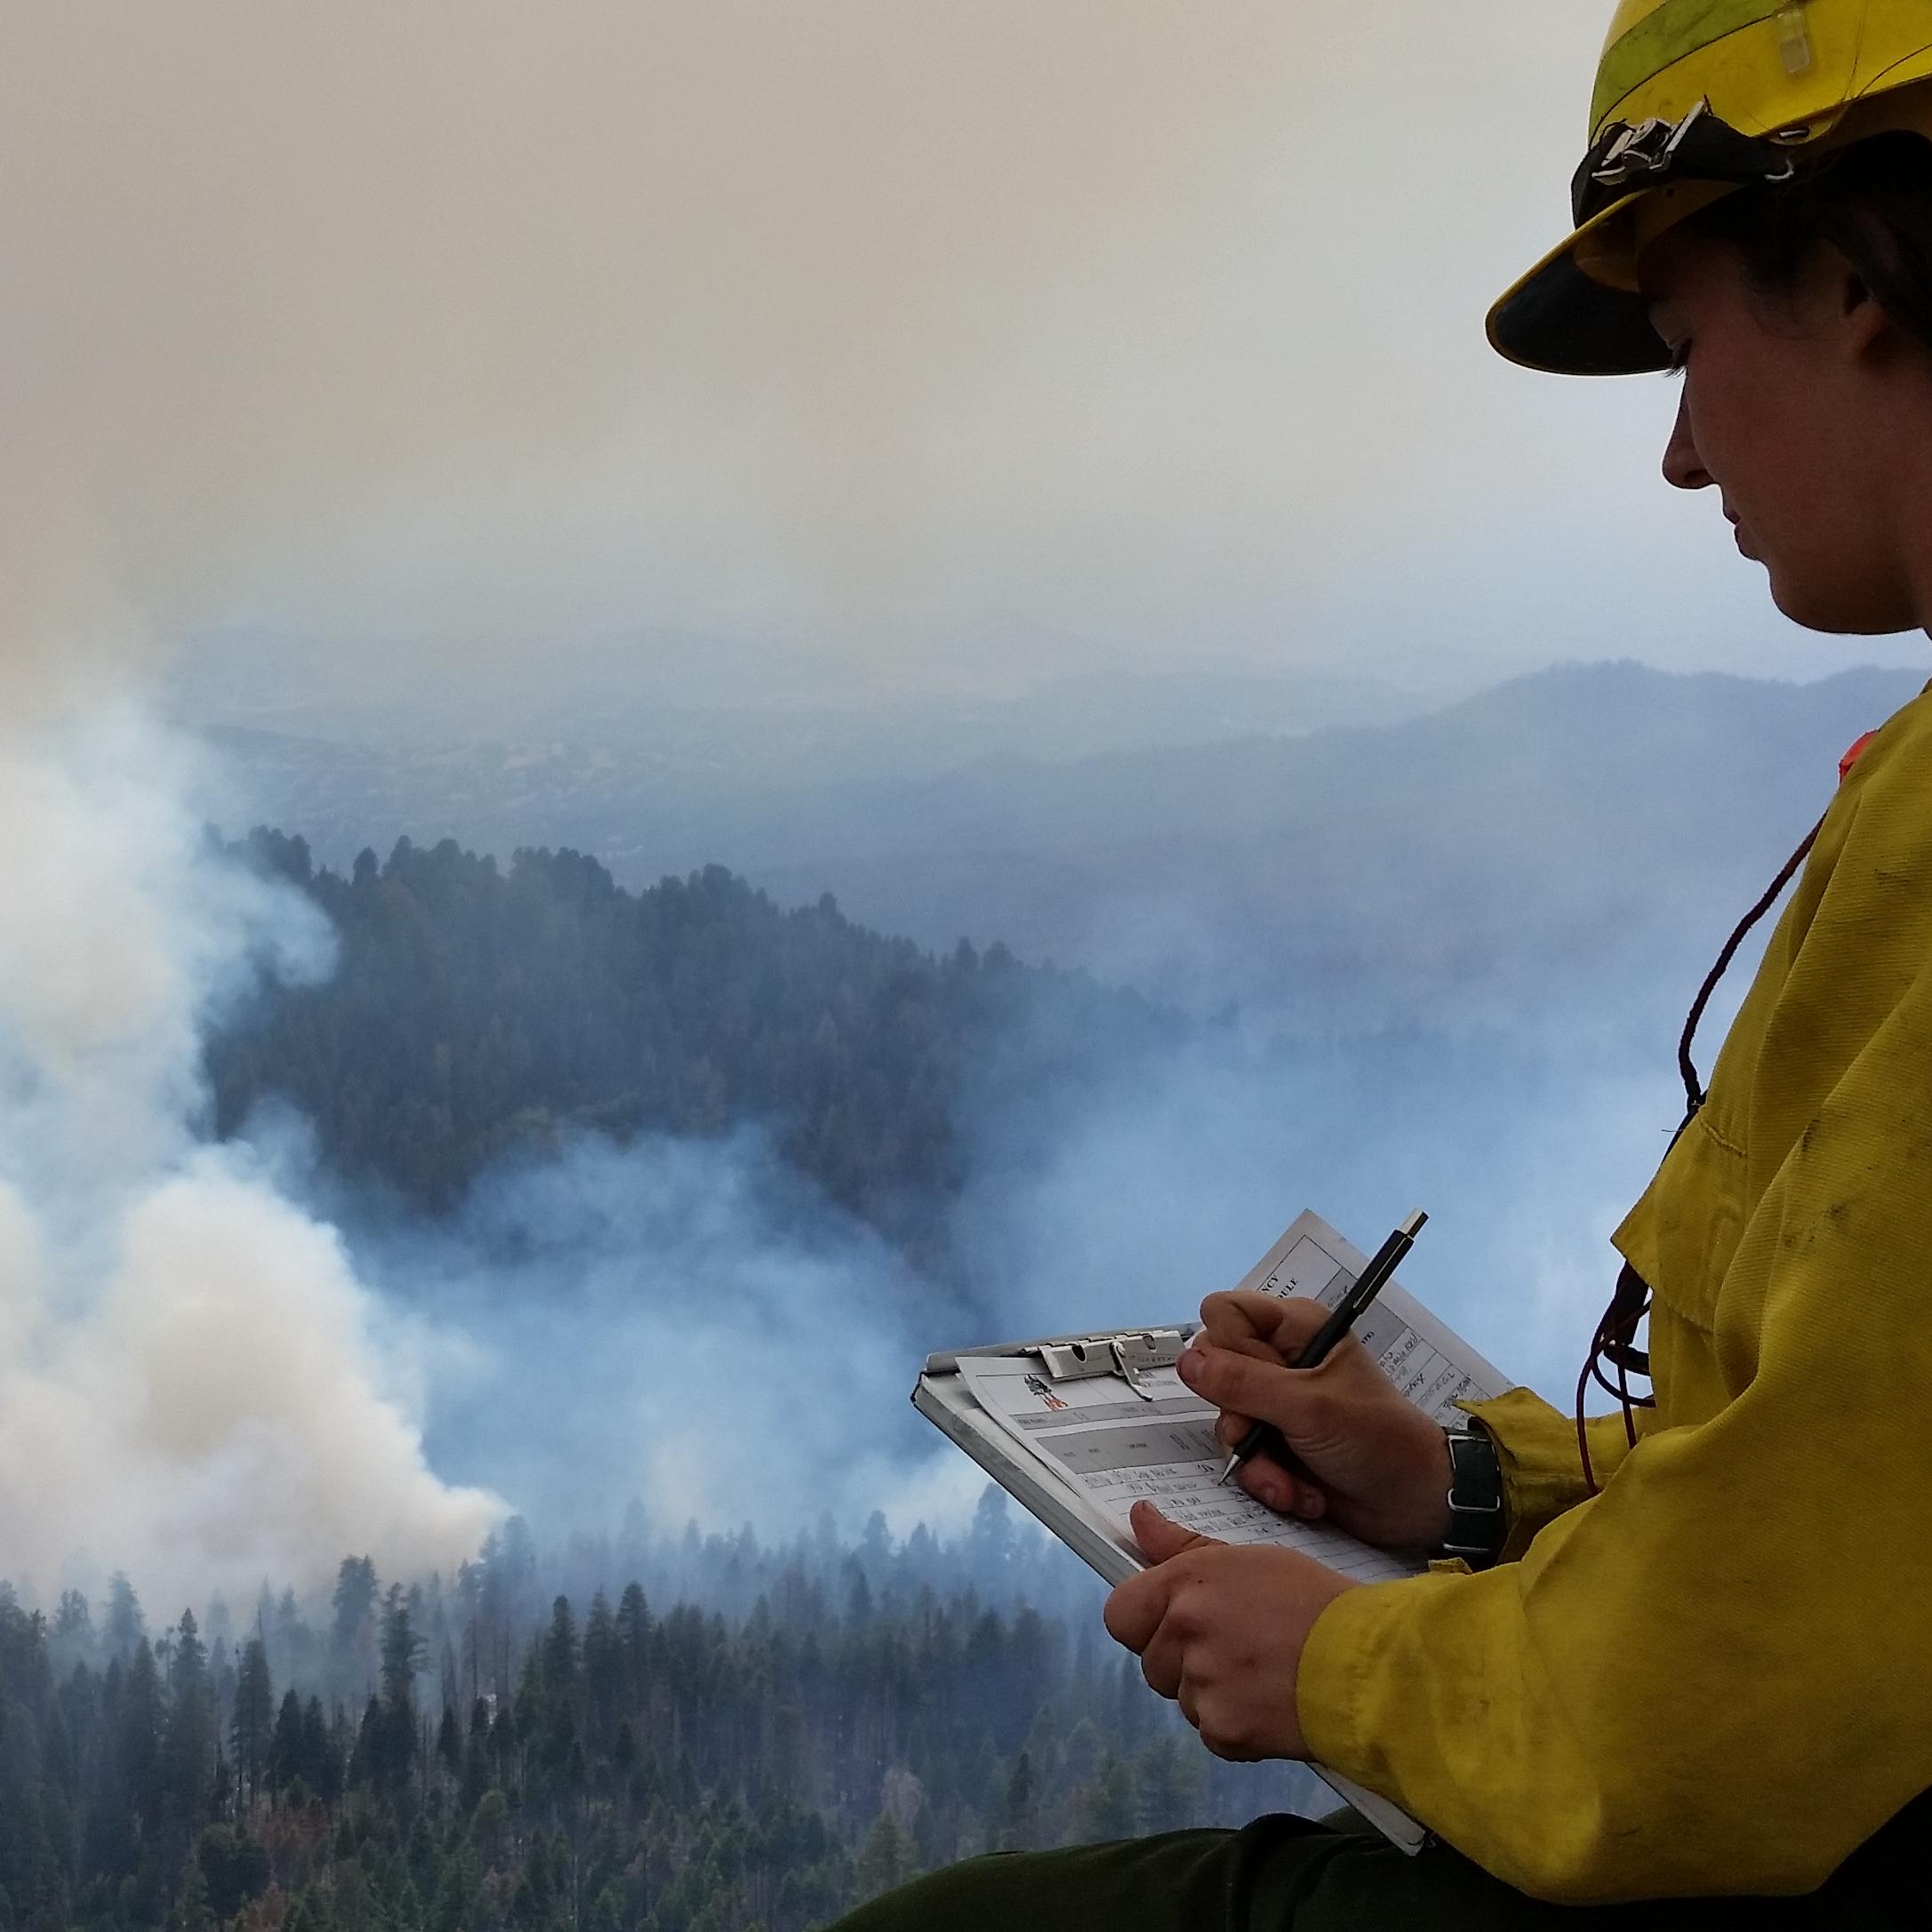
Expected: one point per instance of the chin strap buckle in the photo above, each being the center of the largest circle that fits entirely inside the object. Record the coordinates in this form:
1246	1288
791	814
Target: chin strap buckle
1647	147
1648	154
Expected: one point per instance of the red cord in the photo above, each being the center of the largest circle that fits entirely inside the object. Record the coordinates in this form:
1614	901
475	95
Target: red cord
1617	1333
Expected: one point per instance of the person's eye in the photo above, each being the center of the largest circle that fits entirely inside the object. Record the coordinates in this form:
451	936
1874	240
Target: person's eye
1680	357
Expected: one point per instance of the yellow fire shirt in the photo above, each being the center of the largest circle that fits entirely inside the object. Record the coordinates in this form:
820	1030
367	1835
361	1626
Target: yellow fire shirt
1716	1675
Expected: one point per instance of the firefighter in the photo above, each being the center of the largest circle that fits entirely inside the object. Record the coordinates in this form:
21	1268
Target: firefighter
1689	1681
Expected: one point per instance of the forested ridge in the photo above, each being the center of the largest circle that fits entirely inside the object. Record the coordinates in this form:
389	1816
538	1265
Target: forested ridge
477	1012
754	1737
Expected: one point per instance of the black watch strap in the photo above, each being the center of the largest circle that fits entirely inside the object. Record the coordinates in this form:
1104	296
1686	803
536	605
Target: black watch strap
1476	1525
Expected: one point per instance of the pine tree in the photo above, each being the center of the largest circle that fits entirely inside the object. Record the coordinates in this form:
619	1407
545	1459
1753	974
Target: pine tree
393	1746
73	1631
352	1631
559	1666
142	1729
125	1624
189	1742
884	1859
634	1640
603	1671
322	1760
1169	1775
365	1761
191	1913
489	1827
251	1730
450	1906
1019	1818
1107	1808
401	1651
478	1771
287	1762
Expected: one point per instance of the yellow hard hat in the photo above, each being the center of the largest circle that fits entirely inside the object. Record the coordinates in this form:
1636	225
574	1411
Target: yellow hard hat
1695	99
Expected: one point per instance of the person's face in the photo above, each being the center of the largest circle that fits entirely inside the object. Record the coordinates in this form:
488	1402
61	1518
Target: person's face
1786	413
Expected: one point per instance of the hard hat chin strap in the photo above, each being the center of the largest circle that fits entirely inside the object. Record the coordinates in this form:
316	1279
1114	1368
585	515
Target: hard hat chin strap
1628	157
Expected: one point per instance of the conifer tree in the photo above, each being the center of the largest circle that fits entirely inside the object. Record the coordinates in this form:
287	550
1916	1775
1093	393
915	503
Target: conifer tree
191	1912
189	1741
251	1728
1107	1808
603	1671
634	1639
401	1651
1168	1775
352	1631
451	1904
394	1745
559	1666
1019	1817
73	1628
286	1759
125	1625
884	1859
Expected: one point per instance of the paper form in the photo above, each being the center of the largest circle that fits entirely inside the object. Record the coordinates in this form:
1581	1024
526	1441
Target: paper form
1114	1448
1429	1363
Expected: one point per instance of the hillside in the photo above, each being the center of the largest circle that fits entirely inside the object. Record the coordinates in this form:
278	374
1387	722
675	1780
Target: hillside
478	1012
1533	850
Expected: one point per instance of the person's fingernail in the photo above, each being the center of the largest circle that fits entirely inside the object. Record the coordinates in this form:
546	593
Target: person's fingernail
1189	1365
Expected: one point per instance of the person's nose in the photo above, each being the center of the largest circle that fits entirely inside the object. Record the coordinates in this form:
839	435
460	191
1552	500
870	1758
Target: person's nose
1683	467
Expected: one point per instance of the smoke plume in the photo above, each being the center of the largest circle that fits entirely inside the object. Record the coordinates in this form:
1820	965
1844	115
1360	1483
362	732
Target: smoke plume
190	1388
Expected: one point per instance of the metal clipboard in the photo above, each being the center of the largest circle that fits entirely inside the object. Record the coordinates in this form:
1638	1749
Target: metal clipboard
942	1397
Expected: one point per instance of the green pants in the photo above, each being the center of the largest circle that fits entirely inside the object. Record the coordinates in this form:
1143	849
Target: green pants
1284	1874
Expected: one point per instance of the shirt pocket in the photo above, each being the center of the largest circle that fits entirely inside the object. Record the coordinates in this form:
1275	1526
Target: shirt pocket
1681	1236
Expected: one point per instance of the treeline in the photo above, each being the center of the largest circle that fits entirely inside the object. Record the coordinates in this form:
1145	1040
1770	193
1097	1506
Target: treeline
477	1012
615	1762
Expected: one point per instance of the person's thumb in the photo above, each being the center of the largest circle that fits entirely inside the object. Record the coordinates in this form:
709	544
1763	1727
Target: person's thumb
1160	1539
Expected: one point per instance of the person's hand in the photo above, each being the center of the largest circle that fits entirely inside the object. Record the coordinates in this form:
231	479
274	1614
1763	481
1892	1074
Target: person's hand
1372	1462
1219	1630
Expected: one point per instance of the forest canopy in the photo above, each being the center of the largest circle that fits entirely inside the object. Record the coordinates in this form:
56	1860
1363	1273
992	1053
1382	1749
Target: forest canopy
478	1014
734	1736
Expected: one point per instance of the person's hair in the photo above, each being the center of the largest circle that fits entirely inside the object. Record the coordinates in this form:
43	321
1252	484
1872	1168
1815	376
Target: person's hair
1872	202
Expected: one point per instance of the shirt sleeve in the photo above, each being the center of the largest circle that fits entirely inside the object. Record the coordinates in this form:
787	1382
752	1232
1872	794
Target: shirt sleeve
1712	1677
1542	1466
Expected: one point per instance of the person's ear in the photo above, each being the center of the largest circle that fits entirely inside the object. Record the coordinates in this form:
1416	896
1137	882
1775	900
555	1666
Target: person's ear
1868	330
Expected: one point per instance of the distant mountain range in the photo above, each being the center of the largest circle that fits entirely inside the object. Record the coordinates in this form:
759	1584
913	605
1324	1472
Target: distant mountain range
658	787
1548	836
1580	826
701	710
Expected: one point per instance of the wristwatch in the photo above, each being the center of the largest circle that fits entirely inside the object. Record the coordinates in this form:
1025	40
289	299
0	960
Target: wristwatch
1476	1526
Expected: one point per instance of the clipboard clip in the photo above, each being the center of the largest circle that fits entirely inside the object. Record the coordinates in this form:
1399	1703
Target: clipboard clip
1129	1355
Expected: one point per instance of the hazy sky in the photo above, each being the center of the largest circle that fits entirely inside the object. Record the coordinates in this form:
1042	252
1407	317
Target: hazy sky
962	339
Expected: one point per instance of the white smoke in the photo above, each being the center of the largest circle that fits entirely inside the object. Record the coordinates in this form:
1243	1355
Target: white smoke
687	1324
189	1386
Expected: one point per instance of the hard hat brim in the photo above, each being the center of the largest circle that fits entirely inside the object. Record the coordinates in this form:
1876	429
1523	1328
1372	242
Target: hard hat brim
1564	321
1579	310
